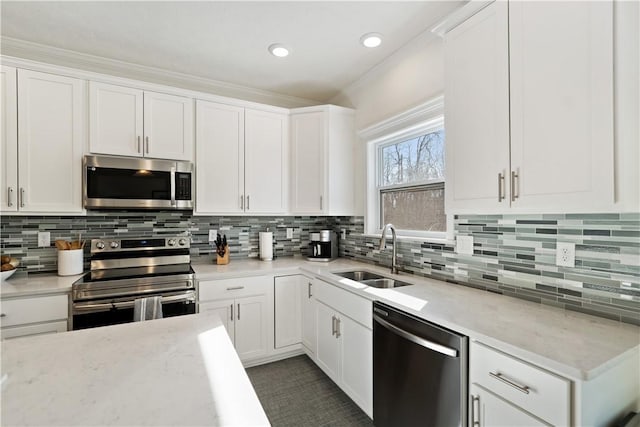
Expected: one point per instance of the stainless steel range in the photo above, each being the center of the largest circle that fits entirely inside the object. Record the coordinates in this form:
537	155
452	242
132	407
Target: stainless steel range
123	270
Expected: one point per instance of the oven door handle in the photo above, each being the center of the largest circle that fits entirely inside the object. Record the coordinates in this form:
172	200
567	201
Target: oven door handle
128	304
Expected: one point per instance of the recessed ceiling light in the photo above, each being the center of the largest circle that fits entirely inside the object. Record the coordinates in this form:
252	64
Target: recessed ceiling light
278	50
371	40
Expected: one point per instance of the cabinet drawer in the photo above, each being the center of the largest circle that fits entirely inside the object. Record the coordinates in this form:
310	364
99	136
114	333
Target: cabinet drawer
21	311
357	308
233	288
30	330
537	391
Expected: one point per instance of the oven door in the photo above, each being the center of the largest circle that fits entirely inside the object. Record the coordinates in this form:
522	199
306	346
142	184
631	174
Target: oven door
119	182
90	314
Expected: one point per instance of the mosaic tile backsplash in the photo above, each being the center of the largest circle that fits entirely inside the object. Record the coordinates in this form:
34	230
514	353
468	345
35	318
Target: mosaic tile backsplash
514	255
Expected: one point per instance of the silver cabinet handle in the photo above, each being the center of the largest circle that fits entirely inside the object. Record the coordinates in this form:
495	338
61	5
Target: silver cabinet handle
247	202
146	139
309	290
9	196
320	202
233	288
523	388
333	325
500	187
514	179
242	203
238	311
475	399
448	351
22	197
337	327
139	148
232	312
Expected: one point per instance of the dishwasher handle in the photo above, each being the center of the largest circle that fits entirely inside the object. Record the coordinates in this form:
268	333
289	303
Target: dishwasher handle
447	351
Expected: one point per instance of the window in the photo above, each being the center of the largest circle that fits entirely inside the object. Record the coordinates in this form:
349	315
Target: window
406	173
411	182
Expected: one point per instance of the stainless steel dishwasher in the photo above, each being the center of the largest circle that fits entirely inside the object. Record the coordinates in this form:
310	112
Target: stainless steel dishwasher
419	371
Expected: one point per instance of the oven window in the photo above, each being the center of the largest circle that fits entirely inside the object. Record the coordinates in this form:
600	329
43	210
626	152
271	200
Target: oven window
109	183
125	315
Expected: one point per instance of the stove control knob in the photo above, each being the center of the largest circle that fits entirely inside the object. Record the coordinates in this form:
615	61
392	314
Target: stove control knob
100	245
114	245
182	242
172	242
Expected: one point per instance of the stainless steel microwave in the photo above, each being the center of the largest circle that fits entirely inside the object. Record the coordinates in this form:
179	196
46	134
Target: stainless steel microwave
135	183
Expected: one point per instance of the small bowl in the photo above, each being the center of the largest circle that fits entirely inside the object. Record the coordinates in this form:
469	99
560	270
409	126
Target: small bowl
6	274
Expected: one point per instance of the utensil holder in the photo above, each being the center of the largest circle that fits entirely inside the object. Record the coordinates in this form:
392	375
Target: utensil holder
222	260
70	262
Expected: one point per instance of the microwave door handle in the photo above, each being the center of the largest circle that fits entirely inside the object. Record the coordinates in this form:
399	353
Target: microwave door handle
173	185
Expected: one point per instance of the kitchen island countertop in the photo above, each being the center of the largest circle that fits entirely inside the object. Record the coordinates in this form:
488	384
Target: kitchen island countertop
174	371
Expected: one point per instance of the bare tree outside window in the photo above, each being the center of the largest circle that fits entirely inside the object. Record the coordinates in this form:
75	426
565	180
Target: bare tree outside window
412	183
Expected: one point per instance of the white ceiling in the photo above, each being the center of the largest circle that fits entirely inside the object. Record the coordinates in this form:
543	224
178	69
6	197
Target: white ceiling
227	41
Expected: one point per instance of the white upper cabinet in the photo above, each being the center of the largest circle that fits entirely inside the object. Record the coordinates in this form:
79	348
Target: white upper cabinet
240	160
322	161
168	126
9	142
131	122
51	129
115	119
529	108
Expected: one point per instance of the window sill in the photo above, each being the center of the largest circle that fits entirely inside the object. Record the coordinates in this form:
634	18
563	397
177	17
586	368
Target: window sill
437	240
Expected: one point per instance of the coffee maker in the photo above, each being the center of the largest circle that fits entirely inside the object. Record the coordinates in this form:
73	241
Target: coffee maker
323	246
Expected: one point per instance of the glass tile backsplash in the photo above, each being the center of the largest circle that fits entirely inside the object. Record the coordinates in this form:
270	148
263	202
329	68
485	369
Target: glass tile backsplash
514	255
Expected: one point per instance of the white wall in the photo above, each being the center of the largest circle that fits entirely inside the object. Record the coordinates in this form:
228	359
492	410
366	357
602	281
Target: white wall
416	73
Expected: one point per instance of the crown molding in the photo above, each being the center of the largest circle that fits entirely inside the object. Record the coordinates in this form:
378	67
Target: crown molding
69	58
460	15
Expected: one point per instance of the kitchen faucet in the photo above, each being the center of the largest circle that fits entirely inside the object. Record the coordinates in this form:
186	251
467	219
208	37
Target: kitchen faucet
383	240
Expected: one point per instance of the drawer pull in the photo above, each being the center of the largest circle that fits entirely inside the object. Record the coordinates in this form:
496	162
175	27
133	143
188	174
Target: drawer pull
499	377
235	288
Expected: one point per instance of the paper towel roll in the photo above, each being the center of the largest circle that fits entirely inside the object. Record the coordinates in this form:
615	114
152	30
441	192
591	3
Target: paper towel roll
265	239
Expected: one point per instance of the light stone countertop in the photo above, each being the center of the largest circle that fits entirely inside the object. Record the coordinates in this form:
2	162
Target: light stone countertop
575	345
173	372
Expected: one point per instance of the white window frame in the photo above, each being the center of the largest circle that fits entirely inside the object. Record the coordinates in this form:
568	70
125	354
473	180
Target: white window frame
418	121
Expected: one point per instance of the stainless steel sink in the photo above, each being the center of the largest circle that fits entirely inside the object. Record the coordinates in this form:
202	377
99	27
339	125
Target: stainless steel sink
372	279
359	276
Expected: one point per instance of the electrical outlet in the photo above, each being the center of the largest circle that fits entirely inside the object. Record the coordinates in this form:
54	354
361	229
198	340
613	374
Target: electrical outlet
464	245
343	234
44	239
289	233
566	254
213	234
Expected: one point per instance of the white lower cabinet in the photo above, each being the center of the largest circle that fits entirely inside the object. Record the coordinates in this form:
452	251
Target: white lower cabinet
309	323
487	409
344	345
34	315
288	309
245	308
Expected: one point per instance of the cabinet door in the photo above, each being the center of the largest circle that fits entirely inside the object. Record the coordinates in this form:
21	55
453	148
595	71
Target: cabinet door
51	128
31	330
328	351
288	310
562	104
264	162
357	362
168	126
115	119
225	310
477	111
308	134
219	158
488	410
309	331
252	327
9	142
